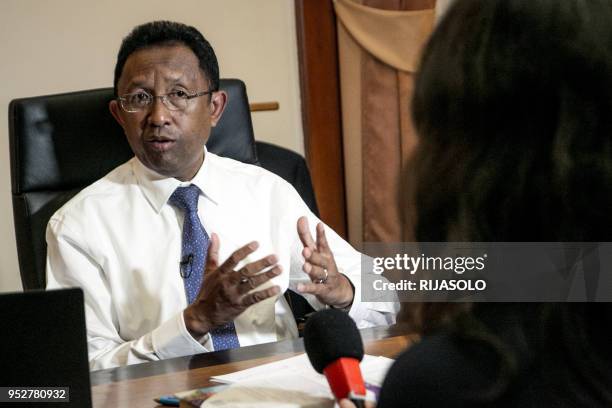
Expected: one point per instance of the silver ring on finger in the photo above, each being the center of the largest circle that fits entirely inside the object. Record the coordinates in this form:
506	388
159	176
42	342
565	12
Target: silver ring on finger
244	278
324	279
247	280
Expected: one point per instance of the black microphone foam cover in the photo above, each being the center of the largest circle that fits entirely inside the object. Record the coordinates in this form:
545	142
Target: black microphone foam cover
329	335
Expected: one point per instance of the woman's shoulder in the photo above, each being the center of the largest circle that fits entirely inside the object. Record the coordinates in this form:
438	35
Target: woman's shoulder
440	371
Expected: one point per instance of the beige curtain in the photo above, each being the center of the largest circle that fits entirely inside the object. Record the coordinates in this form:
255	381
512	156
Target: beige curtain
379	48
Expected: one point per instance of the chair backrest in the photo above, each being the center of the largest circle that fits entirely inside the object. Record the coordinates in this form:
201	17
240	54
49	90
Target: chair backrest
290	166
61	143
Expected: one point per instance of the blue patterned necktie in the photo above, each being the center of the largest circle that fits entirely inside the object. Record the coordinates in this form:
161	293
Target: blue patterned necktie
193	254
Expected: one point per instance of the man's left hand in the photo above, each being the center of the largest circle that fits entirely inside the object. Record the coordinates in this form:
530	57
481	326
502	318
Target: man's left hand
327	283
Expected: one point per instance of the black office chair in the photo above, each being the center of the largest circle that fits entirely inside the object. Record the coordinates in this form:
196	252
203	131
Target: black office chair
61	143
290	166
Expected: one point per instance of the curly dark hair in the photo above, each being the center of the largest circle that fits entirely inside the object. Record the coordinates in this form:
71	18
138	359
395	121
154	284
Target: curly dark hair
168	33
513	107
521	93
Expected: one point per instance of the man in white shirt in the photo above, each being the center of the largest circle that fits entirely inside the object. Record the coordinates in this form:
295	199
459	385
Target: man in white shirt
124	238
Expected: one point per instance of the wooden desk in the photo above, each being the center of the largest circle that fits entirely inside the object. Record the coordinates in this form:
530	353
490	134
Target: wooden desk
137	385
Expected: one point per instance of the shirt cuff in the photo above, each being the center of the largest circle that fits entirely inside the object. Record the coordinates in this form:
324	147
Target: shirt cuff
371	314
172	339
347	308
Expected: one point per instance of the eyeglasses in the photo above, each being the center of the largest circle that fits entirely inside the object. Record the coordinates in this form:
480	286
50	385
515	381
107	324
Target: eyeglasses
141	101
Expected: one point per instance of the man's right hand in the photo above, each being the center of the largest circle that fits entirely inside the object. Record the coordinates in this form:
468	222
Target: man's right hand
225	292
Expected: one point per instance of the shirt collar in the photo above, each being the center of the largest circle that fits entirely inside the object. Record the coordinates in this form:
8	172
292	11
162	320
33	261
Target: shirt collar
158	188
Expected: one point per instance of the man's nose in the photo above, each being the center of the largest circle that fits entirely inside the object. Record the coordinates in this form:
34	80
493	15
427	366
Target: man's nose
159	114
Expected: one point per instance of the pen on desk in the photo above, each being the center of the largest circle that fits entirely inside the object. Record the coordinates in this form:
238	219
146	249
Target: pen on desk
168	400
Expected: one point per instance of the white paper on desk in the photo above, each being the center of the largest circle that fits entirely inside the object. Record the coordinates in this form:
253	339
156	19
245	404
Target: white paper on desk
374	370
274	391
299	369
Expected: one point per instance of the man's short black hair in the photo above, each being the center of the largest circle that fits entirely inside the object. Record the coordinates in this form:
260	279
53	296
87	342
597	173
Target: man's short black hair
167	33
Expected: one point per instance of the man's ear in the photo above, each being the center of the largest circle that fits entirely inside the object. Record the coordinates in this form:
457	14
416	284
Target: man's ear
114	108
218	101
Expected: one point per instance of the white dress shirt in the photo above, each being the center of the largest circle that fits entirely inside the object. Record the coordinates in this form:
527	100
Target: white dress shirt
120	241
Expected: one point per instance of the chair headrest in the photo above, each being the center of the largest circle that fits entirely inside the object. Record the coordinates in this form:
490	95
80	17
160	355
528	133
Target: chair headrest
70	140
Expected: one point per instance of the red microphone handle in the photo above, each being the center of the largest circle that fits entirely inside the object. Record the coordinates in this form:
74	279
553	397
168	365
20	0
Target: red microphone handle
344	377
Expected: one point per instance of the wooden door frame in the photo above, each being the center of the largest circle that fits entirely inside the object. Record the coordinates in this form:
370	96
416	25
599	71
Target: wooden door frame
321	111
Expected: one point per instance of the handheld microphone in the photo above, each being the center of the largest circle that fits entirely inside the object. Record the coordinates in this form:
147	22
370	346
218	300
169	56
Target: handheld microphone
334	347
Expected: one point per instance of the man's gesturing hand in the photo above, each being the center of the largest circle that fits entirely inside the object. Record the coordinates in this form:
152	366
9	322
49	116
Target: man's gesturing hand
224	292
328	285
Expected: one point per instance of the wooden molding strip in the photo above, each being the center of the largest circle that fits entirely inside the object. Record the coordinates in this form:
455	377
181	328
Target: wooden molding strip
263	106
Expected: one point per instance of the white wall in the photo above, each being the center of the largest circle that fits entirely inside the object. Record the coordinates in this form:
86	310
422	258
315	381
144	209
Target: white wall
66	45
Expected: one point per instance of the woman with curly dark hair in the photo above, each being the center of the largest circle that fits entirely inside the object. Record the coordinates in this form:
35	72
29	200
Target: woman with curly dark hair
513	107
